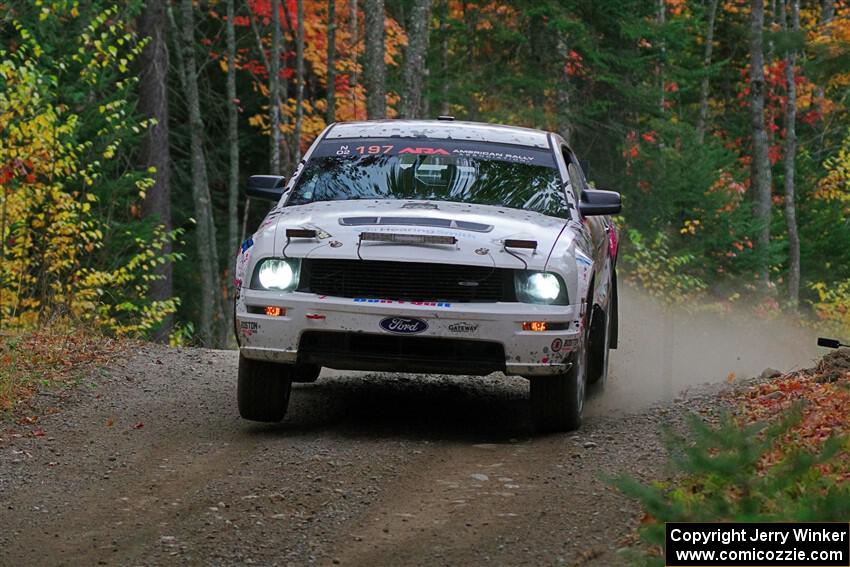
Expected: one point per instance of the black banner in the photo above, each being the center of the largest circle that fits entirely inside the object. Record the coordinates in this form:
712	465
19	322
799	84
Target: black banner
801	544
366	147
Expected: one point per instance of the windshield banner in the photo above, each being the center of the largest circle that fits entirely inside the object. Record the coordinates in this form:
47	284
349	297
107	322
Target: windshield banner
424	147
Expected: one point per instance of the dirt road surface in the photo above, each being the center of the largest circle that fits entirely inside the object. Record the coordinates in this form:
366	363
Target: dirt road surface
148	463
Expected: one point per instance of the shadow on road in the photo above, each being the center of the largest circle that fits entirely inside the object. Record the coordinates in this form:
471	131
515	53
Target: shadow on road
409	406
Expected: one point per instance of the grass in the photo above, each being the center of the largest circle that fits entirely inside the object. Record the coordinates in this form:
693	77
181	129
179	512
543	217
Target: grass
46	359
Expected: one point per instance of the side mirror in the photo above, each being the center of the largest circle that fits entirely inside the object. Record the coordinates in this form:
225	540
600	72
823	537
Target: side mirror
597	202
269	187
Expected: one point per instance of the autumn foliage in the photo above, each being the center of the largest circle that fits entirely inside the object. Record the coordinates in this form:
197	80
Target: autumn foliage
822	394
629	84
783	455
53	170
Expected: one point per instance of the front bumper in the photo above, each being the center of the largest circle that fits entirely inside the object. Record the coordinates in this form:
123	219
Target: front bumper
525	353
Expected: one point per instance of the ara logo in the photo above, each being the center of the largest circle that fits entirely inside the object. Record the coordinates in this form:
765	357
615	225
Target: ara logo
403	325
426	151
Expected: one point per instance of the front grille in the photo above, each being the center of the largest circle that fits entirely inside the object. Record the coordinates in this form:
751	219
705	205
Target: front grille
367	351
407	281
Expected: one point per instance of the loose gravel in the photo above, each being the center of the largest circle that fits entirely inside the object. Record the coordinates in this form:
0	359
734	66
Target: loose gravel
149	464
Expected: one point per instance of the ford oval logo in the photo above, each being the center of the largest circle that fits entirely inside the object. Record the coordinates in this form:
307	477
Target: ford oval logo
403	325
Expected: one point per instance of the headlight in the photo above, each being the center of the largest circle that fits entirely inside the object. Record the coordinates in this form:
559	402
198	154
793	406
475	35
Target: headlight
540	287
277	274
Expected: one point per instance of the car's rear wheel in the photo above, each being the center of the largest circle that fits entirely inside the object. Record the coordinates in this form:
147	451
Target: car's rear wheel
557	401
263	389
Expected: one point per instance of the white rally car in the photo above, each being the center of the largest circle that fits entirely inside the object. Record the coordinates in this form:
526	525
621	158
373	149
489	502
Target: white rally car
430	246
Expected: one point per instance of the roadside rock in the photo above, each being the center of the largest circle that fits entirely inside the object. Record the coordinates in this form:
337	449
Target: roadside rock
769	373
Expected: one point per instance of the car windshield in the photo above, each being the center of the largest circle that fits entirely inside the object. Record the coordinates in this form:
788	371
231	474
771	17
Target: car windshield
484	174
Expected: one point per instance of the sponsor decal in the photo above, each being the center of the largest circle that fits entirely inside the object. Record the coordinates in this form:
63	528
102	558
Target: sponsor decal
563	346
426	151
247	244
401	302
248	328
463	327
403	325
501	156
482	251
583	259
419	206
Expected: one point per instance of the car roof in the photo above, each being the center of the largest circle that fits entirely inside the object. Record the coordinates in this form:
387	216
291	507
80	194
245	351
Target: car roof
440	130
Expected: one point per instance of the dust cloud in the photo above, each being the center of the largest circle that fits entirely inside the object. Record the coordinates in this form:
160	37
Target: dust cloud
663	350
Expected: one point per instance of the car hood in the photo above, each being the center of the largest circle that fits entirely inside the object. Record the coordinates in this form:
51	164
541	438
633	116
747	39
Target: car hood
480	231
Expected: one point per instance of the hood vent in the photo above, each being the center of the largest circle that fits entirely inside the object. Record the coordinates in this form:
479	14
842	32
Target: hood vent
416	221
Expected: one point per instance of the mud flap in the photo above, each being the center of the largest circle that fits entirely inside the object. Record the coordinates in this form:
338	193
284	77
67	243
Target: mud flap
614	313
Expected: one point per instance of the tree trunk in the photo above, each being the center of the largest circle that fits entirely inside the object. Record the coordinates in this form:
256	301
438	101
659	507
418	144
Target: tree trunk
274	90
564	125
232	138
760	174
299	77
826	15
414	63
155	152
445	107
662	20
355	32
376	98
330	113
790	166
706	63
212	324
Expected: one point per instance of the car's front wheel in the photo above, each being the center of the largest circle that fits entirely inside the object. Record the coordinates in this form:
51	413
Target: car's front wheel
306	373
557	401
263	389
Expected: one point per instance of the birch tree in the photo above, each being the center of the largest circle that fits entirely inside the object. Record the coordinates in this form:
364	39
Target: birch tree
212	314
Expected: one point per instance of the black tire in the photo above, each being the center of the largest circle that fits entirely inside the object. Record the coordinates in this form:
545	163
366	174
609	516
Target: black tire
263	389
599	349
557	401
306	373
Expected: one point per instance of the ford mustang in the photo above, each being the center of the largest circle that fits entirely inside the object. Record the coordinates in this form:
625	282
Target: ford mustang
432	247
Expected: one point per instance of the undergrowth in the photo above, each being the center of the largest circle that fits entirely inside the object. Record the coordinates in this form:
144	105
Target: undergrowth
51	358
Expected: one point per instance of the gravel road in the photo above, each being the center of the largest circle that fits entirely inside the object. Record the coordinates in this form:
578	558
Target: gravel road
148	463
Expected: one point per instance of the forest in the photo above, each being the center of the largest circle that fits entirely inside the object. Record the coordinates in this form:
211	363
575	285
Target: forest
128	129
